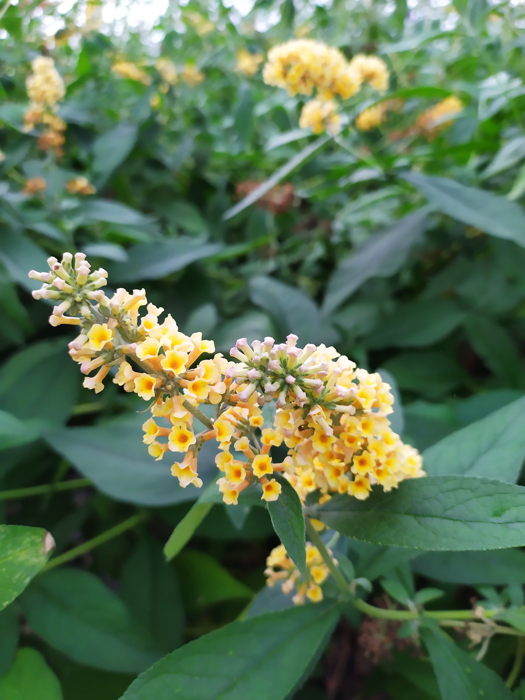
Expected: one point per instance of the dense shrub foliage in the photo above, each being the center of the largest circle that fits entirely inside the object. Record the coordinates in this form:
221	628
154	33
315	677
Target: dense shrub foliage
349	173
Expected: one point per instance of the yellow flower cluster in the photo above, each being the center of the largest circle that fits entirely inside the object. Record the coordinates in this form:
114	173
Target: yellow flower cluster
191	75
248	63
320	116
80	185
34	185
279	567
438	117
45	88
201	24
371	70
376	115
130	71
168	72
302	65
331	416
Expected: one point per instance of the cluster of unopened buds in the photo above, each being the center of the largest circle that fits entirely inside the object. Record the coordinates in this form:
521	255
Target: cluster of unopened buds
331	417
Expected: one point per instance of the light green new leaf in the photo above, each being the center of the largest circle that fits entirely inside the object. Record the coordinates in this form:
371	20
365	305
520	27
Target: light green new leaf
440	513
508	155
286	169
260	658
74	612
114	457
495	346
30	678
500	567
288	522
459	675
149	262
150	588
112	148
40	383
380	256
23	552
493	447
489	212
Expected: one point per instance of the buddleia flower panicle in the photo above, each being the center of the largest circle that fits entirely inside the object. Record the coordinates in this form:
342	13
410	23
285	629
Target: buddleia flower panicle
281	569
80	185
438	117
320	116
248	63
372	70
45	88
130	71
34	185
191	75
168	72
376	115
304	65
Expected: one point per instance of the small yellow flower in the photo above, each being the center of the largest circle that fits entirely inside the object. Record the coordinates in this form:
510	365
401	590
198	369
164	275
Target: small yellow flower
145	386
223	459
99	336
148	348
360	488
151	430
271	437
256	421
224	430
185	475
363	463
199	388
235	473
174	362
262	465
157	450
271	490
181	439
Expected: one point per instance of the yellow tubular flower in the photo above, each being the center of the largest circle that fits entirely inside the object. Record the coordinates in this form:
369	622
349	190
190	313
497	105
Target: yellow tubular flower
372	70
262	465
99	336
271	490
320	116
145	386
181	439
280	568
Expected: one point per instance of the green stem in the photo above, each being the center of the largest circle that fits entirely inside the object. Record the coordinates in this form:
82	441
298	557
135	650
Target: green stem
44	488
198	414
96	541
518	662
316	540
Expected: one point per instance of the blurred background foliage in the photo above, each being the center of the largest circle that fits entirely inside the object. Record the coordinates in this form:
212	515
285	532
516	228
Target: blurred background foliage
356	245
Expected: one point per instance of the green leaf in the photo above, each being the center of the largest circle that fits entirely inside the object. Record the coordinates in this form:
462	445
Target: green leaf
426	372
426	595
495	346
493	447
496	568
243	117
112	213
509	155
285	170
184	530
23	552
147	261
375	561
20	255
286	137
111	149
74	612
288	522
292	309
14	432
454	513
397	420
188	217
150	588
260	658
515	618
8	637
268	600
40	383
30	678
396	590
417	324
114	457
459	675
251	325
380	256
205	582
489	212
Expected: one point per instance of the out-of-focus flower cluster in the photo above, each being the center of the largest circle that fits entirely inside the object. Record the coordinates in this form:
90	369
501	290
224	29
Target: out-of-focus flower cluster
280	568
248	63
277	200
304	65
376	115
320	116
438	117
130	71
45	88
80	185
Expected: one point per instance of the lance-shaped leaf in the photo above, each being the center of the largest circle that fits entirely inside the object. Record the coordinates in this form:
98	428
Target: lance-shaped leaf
487	211
455	513
493	447
23	552
260	658
459	675
30	678
288	522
